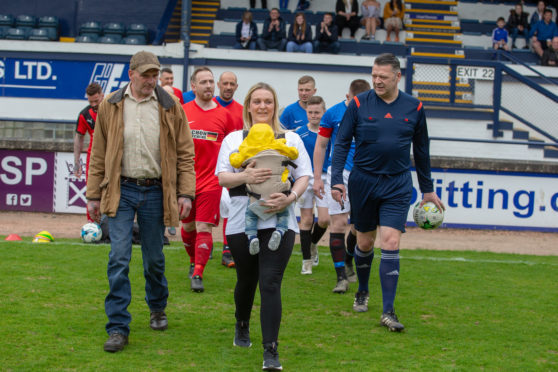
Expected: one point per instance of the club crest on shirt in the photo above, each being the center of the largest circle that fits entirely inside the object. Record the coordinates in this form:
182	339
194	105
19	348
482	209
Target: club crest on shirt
204	135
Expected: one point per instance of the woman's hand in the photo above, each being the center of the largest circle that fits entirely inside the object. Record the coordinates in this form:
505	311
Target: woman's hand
278	201
253	175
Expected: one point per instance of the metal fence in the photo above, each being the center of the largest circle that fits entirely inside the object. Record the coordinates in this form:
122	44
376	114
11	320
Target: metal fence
486	85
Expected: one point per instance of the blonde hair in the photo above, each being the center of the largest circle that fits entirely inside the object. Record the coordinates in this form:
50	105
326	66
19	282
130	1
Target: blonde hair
247	116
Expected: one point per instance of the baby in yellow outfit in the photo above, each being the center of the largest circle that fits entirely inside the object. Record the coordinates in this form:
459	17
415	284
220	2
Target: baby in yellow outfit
261	146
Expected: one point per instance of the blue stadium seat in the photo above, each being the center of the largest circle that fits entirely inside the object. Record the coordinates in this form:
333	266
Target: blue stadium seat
87	38
4	31
24	20
110	39
134	40
137	29
48	21
16	34
114	28
39	34
6	20
90	28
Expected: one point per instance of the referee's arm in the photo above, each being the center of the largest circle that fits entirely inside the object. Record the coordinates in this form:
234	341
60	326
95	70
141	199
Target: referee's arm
343	144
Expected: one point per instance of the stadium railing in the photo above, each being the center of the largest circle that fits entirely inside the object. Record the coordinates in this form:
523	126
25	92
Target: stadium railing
478	84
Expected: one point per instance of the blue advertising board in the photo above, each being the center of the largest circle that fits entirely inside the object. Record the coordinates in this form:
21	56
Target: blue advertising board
33	78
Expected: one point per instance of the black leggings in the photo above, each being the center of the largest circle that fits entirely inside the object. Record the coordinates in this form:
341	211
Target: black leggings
267	267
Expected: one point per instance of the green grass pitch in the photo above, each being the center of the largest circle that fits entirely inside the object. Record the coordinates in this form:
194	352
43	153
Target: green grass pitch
463	311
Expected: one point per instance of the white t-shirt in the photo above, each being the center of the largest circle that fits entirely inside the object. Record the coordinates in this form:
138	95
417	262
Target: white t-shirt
238	204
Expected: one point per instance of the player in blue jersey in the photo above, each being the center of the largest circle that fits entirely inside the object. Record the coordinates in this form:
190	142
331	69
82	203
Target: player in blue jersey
384	122
310	232
341	253
294	115
188	96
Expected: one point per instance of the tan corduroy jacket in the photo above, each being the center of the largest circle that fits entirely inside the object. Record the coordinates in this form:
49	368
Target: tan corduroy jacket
177	154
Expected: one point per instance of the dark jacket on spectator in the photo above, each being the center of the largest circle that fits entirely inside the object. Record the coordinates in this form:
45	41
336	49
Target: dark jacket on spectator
253	31
324	38
515	20
340	6
307	35
550	58
273	35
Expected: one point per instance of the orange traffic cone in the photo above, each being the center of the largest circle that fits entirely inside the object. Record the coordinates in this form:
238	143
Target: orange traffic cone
13	237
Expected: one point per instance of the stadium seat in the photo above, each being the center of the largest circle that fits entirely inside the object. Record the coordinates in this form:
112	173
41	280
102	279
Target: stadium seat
25	21
114	28
48	21
39	34
6	20
16	34
4	31
138	29
90	28
87	38
134	40
110	39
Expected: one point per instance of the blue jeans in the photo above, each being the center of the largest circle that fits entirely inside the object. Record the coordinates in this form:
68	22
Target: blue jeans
251	223
515	33
304	47
147	202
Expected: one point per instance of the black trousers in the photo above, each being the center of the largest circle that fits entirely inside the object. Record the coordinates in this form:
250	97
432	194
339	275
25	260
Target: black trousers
353	24
267	268
253	4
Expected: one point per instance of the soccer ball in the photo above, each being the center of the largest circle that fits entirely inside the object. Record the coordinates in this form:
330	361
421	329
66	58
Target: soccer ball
43	237
91	232
428	216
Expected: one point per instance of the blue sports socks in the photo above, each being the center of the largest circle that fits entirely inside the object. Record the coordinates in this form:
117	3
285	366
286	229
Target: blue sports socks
363	263
389	274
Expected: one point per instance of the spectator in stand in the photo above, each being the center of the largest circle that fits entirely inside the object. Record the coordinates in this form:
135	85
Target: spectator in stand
302	5
273	33
393	18
284	4
500	35
537	14
167	78
327	36
518	24
550	56
543	32
246	33
253	4
347	16
370	10
300	35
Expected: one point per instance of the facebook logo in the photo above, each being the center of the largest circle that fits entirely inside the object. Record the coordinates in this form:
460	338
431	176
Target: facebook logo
11	199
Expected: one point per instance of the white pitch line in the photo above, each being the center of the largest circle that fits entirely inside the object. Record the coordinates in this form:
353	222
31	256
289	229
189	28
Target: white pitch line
327	254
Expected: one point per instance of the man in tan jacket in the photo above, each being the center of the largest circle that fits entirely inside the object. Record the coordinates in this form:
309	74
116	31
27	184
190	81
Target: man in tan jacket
142	163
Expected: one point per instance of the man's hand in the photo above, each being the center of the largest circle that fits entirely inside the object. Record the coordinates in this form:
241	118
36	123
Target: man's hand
318	188
184	207
339	194
432	197
77	170
94	209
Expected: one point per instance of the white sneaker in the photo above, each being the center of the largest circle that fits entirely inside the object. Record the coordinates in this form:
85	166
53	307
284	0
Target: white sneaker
306	267
275	240
254	247
314	254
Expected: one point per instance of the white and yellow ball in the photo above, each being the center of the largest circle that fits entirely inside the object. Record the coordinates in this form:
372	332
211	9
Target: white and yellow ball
43	237
428	216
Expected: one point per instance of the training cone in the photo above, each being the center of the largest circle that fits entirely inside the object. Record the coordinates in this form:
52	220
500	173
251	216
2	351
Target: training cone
12	237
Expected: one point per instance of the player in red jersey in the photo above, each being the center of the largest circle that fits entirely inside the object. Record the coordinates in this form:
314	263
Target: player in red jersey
167	78
209	123
86	124
228	85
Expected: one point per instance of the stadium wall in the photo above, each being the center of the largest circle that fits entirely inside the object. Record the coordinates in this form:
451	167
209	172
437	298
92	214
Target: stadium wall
509	192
